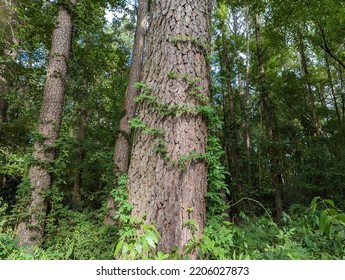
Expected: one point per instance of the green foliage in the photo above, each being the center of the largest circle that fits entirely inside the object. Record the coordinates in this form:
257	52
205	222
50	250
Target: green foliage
120	196
317	232
78	236
219	241
313	165
140	243
136	240
7	240
172	75
216	173
200	43
69	235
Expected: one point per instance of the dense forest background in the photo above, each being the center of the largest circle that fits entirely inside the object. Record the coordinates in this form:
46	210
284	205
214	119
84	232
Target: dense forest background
275	153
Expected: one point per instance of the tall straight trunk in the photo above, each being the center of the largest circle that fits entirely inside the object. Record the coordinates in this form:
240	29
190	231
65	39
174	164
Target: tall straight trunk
81	133
306	75
245	100
31	230
342	93
5	83
225	115
228	112
3	102
10	18
122	142
226	197
331	85
270	122
167	176
234	166
76	197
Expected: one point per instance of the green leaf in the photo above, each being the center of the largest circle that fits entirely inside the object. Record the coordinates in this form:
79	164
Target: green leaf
118	247
333	211
341	217
310	244
325	223
314	202
138	247
330	202
145	244
150	240
125	248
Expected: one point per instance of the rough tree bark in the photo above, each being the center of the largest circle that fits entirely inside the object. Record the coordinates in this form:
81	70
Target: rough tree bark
166	181
122	142
31	230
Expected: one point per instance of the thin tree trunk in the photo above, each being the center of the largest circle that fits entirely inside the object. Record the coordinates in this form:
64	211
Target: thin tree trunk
305	72
3	102
270	122
166	178
331	85
342	93
31	230
225	131
122	142
83	118
4	83
233	146
225	115
246	134
76	197
325	47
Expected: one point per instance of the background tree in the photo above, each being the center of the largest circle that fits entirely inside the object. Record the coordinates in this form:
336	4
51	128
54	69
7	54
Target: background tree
31	232
122	142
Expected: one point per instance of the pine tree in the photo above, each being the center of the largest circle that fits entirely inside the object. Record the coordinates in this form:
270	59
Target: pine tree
167	176
31	231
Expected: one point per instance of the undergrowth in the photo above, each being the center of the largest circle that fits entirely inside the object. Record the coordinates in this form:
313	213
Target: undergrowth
70	235
303	233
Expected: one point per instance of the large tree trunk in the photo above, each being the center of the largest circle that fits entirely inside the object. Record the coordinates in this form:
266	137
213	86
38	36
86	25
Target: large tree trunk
122	142
167	179
31	231
270	122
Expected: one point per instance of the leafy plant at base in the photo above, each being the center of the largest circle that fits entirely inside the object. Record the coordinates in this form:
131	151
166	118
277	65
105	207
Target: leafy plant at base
139	244
137	240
